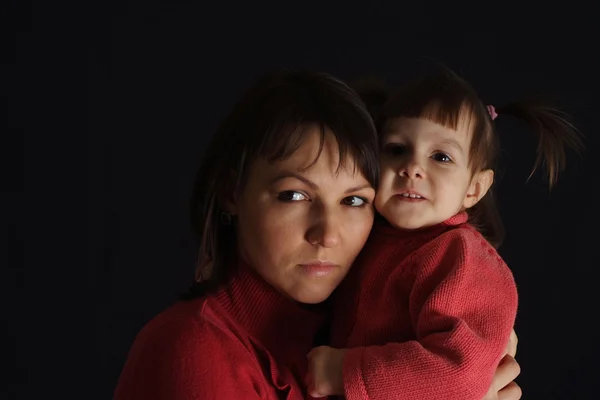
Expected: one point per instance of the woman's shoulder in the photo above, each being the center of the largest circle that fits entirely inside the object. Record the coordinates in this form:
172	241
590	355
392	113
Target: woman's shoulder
188	324
189	348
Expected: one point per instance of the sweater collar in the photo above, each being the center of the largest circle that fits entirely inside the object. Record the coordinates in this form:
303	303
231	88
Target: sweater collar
383	228
274	320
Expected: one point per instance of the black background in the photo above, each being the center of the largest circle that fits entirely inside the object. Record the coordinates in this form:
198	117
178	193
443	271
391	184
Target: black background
114	102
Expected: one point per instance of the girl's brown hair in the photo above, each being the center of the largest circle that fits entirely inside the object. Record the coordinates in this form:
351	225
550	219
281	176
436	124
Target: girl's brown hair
444	98
268	122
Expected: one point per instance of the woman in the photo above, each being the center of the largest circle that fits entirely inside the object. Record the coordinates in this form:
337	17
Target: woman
282	207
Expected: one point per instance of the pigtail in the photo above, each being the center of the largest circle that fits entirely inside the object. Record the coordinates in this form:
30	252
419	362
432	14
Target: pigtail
555	135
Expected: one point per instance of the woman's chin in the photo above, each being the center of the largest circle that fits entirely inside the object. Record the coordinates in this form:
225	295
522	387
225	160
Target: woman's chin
311	296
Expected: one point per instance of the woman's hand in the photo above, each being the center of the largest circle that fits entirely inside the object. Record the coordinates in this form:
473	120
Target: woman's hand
503	386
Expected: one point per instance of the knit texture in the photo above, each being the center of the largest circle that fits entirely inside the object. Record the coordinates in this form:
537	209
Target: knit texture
426	314
246	341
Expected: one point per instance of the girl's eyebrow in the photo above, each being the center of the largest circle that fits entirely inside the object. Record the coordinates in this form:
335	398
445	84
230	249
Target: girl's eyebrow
453	143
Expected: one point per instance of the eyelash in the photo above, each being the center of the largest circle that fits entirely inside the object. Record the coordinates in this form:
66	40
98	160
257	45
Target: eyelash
398	150
440	153
281	196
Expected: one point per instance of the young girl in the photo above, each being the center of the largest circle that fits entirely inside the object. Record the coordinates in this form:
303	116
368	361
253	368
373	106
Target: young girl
427	309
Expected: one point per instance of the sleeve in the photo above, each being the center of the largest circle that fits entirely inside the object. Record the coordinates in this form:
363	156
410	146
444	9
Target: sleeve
463	306
185	361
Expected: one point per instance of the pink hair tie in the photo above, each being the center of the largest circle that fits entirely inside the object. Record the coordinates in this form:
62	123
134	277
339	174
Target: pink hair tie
492	111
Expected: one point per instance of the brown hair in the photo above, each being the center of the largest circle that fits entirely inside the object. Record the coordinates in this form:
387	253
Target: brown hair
444	97
269	122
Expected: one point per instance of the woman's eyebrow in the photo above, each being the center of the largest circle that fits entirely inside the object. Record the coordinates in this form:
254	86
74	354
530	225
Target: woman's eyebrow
289	174
357	188
308	182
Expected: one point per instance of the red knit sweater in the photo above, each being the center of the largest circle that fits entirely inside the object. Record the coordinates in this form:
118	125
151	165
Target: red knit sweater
246	341
432	309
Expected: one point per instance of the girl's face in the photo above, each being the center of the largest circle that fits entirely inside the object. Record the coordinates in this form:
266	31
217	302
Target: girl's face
301	228
425	174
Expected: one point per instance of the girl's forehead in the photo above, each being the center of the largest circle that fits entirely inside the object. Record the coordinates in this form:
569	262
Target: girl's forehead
462	120
451	115
427	132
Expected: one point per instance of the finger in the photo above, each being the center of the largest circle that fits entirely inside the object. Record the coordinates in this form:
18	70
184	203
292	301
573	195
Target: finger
312	352
310	383
511	347
313	389
507	371
319	389
512	391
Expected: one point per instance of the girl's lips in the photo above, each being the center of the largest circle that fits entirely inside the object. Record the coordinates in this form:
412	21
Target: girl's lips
410	195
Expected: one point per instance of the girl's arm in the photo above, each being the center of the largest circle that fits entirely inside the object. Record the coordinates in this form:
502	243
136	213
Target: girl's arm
463	311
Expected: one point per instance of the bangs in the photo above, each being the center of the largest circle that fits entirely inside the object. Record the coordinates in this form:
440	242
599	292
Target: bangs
449	101
285	141
443	99
447	114
287	115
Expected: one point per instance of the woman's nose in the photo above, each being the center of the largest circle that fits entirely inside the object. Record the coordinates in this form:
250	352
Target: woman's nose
325	230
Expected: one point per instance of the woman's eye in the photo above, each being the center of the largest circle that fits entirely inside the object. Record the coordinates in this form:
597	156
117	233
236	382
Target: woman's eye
291	195
354	201
394	149
441	157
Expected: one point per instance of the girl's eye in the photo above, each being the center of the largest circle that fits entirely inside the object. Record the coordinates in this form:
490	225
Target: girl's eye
291	195
441	157
354	201
394	149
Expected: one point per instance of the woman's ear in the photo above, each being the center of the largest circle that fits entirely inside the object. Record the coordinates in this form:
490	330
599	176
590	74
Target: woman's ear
480	184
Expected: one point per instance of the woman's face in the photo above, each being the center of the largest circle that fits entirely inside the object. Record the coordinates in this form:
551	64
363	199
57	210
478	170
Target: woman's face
301	228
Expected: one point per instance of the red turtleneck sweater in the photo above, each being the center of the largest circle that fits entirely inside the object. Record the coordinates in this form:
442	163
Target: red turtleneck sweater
245	341
426	314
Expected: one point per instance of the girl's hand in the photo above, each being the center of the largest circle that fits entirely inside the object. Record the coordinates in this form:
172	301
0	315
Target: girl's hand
325	376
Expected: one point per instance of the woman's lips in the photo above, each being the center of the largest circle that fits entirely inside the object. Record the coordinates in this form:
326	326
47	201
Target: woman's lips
318	268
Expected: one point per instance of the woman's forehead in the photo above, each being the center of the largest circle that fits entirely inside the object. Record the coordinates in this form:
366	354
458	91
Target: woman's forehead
318	151
313	164
315	149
